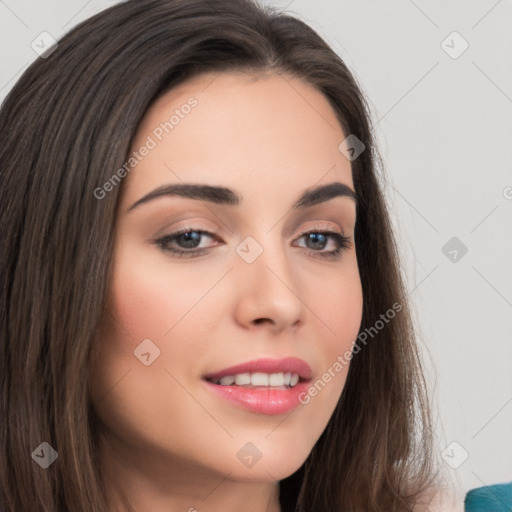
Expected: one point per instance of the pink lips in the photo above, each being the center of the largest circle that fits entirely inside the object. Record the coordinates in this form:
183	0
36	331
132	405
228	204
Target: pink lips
264	399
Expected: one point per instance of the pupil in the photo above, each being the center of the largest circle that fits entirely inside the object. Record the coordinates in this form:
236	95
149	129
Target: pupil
191	239
317	238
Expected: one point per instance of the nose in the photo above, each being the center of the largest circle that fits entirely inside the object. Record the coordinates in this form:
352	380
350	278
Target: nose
267	292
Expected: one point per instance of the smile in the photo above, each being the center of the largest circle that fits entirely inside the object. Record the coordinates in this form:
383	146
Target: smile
262	386
279	380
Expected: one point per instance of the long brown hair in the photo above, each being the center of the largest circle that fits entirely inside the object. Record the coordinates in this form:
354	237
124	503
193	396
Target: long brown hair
64	127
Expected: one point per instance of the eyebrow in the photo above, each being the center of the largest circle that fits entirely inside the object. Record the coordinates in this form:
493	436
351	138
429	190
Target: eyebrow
226	196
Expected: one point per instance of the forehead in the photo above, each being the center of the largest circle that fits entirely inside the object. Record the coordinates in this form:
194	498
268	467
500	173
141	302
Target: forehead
262	132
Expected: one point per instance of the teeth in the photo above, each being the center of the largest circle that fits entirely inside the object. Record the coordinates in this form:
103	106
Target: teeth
227	380
276	379
242	379
260	379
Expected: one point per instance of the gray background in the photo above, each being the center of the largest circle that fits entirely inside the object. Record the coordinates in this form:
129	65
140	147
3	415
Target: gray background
444	126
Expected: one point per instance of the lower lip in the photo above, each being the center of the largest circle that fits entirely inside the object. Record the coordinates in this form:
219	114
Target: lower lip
263	400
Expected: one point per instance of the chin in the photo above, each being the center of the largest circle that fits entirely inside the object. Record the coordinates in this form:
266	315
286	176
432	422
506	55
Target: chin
274	467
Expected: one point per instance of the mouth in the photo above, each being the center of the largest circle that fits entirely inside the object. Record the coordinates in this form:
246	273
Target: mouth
264	386
286	372
259	380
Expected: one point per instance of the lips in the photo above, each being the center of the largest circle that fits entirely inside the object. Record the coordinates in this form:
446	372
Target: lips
264	394
269	366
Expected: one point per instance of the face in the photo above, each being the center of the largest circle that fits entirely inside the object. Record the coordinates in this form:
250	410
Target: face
208	279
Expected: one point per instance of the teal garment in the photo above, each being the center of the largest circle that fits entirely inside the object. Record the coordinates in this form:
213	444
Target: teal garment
492	498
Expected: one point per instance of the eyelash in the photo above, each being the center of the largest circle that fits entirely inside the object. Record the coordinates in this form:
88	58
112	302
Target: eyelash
342	241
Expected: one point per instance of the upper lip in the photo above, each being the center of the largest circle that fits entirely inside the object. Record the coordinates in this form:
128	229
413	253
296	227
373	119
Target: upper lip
286	365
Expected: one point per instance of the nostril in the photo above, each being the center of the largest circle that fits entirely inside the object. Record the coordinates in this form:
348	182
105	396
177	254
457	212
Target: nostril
262	320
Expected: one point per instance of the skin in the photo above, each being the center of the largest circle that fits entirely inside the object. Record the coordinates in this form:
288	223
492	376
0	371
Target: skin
167	442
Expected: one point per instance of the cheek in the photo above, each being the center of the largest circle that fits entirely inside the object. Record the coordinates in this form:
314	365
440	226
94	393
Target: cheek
340	309
136	401
337	312
149	300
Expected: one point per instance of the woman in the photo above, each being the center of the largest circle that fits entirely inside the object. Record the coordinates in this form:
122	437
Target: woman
202	307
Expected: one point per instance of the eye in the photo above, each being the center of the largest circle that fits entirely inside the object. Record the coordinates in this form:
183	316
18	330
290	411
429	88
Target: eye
187	242
317	240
